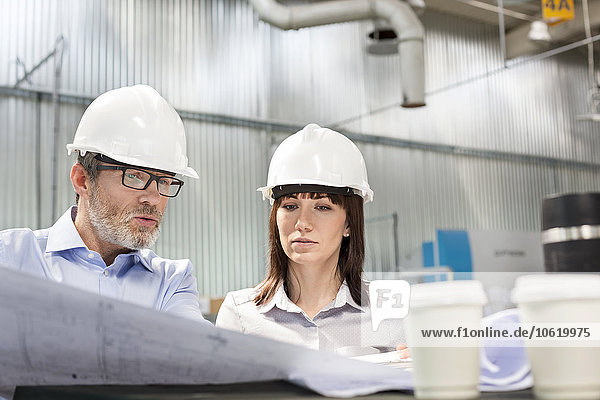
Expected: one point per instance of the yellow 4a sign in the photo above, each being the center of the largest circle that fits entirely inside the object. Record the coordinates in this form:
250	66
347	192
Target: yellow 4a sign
556	11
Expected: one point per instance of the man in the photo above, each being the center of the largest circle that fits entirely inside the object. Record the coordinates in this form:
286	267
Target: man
130	144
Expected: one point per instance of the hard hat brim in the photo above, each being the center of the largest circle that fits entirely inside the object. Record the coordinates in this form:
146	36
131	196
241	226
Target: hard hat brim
186	171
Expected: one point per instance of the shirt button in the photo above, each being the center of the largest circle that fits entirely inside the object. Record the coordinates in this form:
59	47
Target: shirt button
105	272
91	255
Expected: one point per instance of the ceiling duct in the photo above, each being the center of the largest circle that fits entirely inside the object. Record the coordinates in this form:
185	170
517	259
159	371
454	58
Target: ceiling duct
382	41
397	13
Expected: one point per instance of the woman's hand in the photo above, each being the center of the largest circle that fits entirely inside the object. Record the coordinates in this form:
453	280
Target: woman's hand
404	351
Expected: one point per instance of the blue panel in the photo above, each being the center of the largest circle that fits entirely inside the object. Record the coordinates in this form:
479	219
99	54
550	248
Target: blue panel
428	258
454	251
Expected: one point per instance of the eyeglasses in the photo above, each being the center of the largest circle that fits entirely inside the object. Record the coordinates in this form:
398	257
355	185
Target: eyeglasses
138	179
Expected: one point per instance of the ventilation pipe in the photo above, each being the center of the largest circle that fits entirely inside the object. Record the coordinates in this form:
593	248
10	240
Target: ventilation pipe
398	13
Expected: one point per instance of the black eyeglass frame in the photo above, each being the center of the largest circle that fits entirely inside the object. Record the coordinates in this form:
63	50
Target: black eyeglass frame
178	182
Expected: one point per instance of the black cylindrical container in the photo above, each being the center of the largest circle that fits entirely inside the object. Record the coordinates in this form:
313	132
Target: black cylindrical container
571	232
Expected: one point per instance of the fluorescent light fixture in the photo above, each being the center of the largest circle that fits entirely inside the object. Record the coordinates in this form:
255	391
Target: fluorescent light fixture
539	32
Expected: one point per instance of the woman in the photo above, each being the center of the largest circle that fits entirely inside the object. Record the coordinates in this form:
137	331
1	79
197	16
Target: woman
313	294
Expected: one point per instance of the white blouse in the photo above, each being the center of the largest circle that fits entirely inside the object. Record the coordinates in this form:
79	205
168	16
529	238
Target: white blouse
341	326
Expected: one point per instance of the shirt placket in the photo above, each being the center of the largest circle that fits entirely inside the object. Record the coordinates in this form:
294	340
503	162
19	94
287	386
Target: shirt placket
108	283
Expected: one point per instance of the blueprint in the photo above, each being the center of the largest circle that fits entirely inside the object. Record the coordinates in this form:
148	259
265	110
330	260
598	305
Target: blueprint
53	334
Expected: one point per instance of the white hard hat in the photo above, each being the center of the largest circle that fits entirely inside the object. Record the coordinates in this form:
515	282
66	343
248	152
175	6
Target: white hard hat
134	125
317	159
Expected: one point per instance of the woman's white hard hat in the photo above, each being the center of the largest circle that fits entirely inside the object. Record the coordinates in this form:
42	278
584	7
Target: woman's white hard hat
134	125
320	157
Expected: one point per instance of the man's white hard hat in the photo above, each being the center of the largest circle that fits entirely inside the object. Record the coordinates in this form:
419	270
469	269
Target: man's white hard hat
317	159
134	125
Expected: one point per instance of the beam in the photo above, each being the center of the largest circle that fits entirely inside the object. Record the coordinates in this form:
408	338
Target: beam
283	127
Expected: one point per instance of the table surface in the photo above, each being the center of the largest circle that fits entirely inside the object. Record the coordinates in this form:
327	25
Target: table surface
252	390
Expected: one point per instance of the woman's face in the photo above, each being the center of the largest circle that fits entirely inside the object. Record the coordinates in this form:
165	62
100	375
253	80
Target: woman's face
311	230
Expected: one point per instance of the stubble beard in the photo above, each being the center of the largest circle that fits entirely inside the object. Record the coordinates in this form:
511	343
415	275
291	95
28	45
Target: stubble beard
115	226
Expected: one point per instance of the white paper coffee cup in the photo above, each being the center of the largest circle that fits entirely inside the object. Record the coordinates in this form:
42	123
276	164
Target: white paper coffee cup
563	366
445	367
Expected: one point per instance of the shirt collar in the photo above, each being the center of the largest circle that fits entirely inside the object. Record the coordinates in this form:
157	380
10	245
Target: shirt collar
136	256
282	301
144	257
64	236
345	297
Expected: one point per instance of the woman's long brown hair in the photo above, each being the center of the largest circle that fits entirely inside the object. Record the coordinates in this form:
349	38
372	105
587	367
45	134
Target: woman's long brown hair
350	261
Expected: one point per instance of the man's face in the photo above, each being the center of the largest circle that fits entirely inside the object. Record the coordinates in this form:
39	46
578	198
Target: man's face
123	216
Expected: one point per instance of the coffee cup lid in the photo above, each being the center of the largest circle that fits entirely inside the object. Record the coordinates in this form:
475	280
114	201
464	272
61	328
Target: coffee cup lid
548	287
447	293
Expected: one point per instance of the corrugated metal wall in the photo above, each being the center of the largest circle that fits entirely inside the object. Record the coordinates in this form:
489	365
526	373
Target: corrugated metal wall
216	57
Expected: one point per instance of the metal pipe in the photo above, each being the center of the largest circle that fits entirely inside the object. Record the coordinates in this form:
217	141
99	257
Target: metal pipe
58	53
590	55
396	246
38	159
502	32
403	20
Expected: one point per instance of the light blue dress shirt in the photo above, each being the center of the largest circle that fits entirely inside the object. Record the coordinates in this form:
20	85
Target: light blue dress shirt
140	277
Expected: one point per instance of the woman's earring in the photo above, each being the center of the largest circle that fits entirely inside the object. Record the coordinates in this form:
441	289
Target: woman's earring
346	234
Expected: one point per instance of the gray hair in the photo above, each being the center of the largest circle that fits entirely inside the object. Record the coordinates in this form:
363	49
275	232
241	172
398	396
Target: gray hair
90	164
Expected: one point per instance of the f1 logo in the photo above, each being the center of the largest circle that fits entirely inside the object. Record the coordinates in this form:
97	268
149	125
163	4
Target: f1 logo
389	299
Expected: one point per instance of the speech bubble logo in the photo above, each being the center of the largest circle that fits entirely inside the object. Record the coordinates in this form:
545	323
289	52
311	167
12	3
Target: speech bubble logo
389	299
